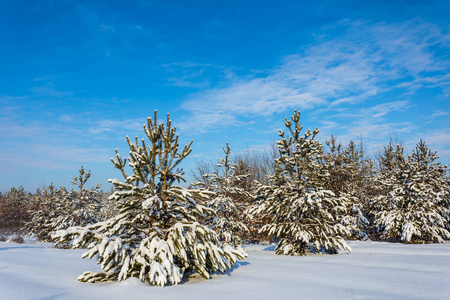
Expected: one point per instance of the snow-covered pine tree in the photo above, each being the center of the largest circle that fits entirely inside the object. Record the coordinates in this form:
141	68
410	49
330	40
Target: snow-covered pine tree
412	209
77	207
298	211
254	166
156	236
348	177
42	217
108	207
446	204
60	208
229	200
14	212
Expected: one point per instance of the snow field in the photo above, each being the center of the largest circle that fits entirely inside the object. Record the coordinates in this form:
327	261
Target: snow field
374	270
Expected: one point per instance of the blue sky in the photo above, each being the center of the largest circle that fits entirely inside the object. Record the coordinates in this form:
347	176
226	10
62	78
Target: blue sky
78	76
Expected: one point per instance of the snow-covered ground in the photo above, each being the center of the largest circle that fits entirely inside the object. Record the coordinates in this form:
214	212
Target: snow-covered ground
374	270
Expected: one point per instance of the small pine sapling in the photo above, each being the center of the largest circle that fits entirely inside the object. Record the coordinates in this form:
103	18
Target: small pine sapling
77	208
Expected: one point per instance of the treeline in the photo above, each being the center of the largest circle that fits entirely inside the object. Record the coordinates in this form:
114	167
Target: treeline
300	193
52	208
392	197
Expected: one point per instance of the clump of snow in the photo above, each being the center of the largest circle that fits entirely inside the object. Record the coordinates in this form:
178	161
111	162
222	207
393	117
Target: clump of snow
374	270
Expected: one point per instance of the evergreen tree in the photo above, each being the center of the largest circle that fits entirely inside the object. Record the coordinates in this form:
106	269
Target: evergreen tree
229	201
45	213
446	202
298	211
349	174
77	207
412	208
108	207
60	208
14	211
156	236
249	167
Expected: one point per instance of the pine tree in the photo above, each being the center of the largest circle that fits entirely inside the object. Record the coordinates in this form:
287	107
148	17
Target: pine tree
61	208
348	177
446	202
14	211
77	207
108	207
45	212
412	208
156	236
298	211
250	166
228	200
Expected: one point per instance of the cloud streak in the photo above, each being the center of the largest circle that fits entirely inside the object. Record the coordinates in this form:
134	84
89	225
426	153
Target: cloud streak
365	61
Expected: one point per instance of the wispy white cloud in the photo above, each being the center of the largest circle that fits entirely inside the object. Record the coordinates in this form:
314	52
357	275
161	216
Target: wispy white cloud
118	126
257	97
197	75
374	124
104	27
440	113
51	156
45	78
438	138
383	109
50	91
364	61
59	146
440	117
10	105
